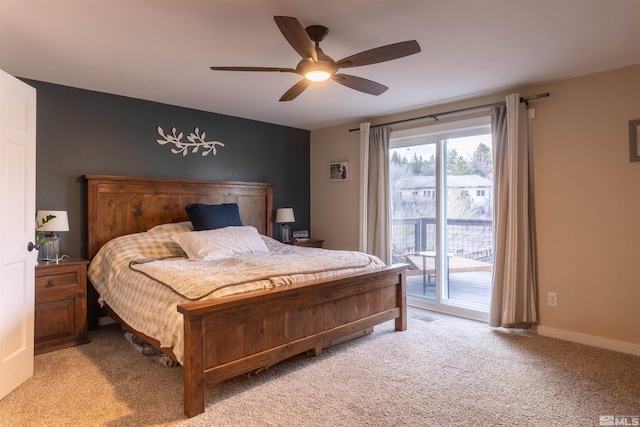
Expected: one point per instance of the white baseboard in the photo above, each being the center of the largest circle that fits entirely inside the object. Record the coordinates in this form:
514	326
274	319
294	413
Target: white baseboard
609	344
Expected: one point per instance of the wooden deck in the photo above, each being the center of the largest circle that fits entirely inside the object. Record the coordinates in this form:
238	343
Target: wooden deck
456	264
465	288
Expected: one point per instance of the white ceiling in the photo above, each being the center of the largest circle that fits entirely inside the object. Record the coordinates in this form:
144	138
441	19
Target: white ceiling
161	50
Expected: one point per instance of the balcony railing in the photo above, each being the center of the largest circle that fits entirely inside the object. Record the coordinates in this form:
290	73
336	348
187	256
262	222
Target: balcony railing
467	238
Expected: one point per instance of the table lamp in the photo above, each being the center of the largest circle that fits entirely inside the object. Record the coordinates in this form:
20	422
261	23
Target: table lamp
51	223
283	217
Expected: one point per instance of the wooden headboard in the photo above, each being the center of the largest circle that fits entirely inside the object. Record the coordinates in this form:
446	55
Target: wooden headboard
119	205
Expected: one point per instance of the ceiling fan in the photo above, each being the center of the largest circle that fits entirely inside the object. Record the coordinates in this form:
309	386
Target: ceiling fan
315	65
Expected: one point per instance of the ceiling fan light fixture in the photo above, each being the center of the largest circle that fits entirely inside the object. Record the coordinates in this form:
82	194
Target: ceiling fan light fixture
316	66
317	75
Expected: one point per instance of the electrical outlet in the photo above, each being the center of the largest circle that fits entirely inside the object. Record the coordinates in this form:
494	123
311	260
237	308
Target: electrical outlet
552	299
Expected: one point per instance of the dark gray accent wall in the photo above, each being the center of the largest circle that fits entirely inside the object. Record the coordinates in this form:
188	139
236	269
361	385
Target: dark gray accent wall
84	132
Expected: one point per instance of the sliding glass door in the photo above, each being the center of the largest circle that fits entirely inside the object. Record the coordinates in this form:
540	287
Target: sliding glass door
441	182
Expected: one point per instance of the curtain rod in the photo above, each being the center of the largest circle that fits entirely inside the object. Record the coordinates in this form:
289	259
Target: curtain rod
460	110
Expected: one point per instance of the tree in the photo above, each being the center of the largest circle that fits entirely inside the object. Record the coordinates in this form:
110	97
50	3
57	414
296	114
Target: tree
482	161
416	164
398	170
456	164
452	157
460	167
396	159
429	166
460	206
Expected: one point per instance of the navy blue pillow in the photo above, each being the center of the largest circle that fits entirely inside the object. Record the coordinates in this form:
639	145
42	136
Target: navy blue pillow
209	217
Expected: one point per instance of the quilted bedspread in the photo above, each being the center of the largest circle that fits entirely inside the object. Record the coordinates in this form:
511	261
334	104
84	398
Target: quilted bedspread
143	277
285	265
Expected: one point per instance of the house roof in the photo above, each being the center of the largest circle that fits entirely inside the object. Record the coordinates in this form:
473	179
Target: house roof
453	181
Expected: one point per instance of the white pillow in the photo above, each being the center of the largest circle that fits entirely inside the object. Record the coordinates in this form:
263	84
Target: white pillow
209	245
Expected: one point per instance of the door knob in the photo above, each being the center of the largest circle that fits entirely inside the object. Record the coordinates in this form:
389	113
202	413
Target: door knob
31	246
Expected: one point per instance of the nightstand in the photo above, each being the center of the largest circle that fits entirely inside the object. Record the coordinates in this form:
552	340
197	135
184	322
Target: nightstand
310	243
60	304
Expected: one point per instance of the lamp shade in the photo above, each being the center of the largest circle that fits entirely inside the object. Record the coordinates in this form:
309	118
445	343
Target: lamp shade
60	222
285	215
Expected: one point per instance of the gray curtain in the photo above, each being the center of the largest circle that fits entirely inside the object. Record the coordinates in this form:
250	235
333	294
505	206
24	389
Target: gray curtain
514	295
377	201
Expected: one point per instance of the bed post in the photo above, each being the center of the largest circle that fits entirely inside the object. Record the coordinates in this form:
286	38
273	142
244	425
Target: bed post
194	381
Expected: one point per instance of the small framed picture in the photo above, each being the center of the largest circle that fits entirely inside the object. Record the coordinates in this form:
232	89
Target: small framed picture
339	171
634	140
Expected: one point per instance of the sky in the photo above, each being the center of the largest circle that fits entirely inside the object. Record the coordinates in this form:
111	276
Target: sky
465	147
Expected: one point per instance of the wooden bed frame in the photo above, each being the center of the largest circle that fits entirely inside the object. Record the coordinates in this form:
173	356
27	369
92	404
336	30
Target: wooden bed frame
233	335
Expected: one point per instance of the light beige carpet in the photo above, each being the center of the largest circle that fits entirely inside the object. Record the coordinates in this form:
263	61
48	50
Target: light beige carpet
442	371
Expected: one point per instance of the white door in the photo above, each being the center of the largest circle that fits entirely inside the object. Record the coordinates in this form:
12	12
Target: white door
17	229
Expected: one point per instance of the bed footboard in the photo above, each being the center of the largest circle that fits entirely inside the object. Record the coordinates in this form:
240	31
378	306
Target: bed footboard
242	333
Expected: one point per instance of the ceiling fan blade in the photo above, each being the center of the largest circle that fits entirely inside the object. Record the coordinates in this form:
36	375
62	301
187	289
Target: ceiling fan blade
358	83
297	37
295	90
380	54
282	70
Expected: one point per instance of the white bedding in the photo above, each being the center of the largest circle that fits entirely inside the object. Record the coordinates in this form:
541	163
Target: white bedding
149	304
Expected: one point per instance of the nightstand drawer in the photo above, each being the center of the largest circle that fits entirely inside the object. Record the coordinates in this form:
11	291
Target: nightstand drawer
62	283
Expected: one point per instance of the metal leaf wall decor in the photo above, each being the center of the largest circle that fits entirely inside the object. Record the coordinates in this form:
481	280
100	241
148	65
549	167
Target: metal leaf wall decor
196	142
